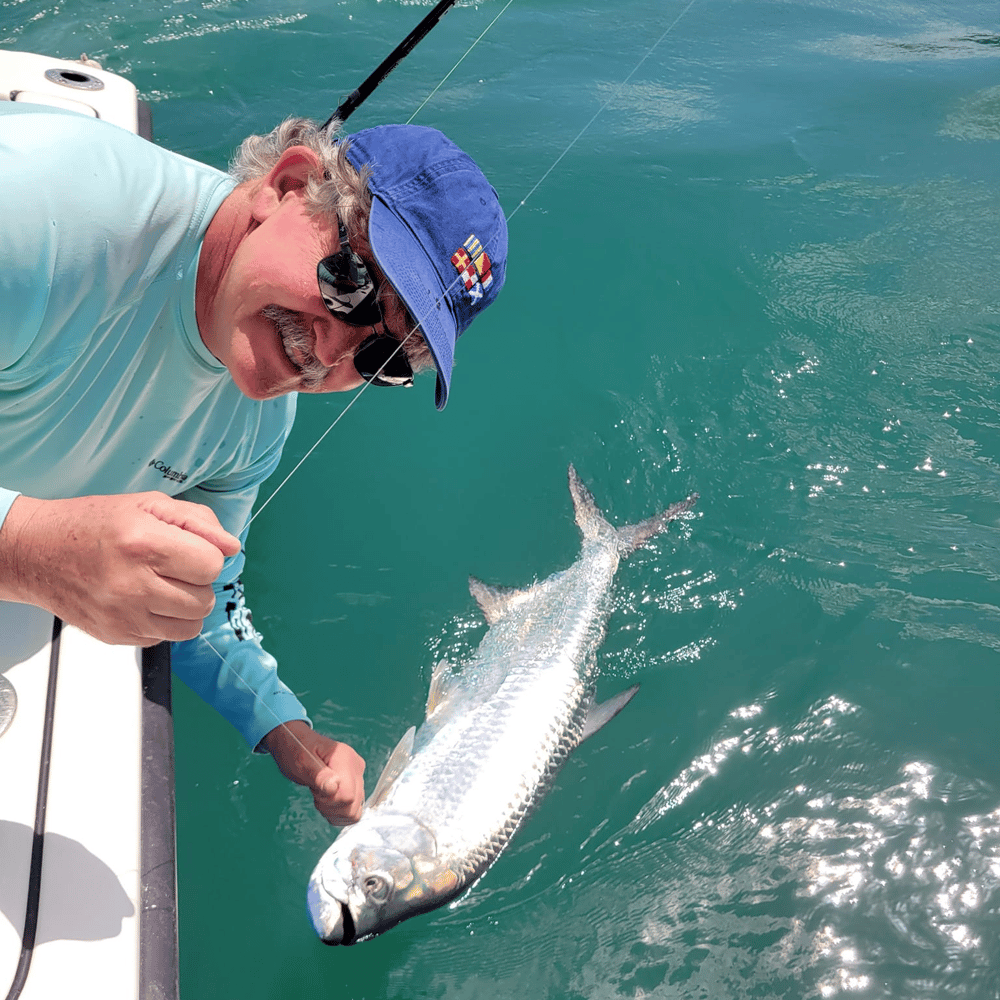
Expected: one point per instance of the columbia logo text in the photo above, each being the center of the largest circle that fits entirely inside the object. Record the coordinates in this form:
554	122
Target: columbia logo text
168	473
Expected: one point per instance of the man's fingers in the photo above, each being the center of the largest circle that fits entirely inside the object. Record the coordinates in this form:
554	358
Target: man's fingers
180	555
337	801
328	784
178	599
149	632
331	770
175	612
334	790
175	629
197	520
340	798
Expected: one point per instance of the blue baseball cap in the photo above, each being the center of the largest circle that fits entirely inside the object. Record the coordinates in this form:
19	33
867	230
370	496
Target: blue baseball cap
436	229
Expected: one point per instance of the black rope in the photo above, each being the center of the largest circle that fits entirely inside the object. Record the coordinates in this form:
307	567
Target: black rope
38	836
351	103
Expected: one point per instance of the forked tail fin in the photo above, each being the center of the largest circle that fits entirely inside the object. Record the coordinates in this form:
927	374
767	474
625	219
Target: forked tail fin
594	525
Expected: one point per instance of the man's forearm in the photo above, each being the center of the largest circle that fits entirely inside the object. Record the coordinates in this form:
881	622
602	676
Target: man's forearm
228	668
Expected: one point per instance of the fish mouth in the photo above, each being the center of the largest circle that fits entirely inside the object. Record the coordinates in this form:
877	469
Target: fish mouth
350	934
349	931
331	917
341	930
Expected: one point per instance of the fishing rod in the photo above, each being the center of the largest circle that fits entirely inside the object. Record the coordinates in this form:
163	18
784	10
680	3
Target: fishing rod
352	102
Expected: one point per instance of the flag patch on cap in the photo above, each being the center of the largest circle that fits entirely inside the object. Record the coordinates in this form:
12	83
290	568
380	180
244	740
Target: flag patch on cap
473	266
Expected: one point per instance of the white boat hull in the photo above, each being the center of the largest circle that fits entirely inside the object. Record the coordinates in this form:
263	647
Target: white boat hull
87	878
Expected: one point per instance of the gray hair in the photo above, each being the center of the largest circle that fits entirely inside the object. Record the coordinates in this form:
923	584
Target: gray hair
339	191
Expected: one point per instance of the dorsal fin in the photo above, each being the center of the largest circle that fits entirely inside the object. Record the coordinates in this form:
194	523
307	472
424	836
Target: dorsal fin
495	602
398	759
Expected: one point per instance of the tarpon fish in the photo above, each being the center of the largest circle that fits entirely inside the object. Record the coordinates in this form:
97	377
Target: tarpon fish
455	791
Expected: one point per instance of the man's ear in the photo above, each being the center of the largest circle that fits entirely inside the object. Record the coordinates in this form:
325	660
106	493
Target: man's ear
288	176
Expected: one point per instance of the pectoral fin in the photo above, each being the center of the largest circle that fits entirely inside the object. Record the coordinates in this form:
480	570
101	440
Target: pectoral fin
601	714
398	759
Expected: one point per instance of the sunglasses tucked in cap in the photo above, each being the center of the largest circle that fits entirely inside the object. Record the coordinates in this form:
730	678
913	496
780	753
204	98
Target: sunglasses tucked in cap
436	230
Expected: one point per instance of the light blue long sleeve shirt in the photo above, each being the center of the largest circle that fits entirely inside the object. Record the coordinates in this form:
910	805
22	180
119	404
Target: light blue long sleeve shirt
105	384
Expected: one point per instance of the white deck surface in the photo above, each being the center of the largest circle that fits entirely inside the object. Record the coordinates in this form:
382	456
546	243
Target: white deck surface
89	906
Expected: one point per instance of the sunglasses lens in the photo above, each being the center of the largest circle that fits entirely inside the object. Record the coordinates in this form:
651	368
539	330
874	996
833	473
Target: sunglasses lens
350	294
377	363
348	290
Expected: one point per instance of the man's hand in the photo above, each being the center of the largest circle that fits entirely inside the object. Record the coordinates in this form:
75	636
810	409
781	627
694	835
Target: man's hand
332	771
131	569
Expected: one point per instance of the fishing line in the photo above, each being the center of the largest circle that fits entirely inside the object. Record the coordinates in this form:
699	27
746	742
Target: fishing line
598	112
350	104
322	436
489	242
459	63
274	714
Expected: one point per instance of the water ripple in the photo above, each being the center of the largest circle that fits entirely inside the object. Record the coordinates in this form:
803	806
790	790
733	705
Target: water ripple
830	886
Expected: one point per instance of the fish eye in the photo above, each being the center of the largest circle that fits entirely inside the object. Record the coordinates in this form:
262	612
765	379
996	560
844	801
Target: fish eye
377	887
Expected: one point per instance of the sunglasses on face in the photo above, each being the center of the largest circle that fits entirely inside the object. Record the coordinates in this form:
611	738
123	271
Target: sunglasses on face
350	294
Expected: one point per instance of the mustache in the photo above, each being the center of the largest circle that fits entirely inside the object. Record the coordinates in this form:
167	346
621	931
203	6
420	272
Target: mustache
297	341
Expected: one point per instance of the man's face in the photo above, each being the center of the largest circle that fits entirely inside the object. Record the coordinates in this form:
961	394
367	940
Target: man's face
267	322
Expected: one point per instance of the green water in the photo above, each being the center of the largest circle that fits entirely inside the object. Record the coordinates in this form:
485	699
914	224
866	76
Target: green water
766	272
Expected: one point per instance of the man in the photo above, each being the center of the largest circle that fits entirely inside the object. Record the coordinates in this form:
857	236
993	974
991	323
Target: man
157	320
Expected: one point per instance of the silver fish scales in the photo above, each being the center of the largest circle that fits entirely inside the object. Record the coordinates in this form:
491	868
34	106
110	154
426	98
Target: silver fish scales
455	791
